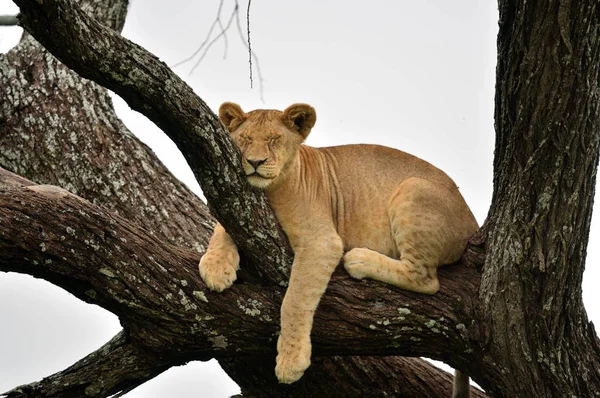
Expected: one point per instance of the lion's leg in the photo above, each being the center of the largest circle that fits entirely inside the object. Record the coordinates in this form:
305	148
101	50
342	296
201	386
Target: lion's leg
219	265
314	262
405	273
430	225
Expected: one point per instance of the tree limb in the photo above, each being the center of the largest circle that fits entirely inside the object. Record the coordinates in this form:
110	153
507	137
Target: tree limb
154	289
117	367
9	20
374	378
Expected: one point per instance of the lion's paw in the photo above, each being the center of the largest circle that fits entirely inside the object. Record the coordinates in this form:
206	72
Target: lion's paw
357	263
292	361
218	269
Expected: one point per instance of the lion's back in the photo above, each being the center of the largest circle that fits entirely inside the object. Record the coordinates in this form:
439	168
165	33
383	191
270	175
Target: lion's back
367	166
363	178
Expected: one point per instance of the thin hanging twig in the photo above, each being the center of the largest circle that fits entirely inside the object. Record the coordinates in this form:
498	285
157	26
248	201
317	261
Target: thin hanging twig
249	45
252	54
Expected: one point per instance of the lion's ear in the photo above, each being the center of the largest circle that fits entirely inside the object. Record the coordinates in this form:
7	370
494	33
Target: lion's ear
231	115
300	117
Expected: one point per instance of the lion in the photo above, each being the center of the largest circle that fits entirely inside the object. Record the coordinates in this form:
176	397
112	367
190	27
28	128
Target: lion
396	218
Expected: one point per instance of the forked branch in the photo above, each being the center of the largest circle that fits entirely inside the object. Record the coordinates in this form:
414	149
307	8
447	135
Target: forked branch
150	87
209	41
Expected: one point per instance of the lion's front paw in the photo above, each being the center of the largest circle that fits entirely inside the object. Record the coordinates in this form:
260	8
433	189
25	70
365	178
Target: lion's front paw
218	269
357	263
292	361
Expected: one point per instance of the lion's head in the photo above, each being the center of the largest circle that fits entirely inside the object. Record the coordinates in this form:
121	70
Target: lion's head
268	139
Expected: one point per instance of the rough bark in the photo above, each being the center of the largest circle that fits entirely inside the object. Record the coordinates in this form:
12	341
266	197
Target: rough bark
86	149
547	126
60	129
117	367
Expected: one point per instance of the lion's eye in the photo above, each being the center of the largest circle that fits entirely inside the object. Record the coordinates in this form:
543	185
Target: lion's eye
273	140
243	140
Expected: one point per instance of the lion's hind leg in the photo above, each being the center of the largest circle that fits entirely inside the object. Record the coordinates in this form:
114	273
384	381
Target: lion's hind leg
430	224
365	263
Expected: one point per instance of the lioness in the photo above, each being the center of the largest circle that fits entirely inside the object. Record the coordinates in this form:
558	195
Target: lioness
395	216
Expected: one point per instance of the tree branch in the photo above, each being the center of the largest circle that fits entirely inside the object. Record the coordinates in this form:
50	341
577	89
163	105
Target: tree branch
375	377
155	290
117	367
8	20
151	88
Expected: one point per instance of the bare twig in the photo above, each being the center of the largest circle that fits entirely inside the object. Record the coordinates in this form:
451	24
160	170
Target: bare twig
208	35
223	34
9	20
225	40
209	41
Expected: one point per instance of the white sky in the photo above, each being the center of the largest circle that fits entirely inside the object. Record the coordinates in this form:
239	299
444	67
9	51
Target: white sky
415	75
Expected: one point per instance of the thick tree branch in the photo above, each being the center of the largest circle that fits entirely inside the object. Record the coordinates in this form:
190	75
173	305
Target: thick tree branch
88	150
105	260
154	289
117	367
151	88
373	378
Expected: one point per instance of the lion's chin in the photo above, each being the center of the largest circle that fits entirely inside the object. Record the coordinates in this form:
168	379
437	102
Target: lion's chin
258	181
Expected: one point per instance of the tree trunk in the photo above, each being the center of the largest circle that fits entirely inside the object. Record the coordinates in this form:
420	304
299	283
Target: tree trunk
546	156
510	314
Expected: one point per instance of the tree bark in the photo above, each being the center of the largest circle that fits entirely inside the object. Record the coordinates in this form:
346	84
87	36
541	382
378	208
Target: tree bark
510	314
117	367
546	157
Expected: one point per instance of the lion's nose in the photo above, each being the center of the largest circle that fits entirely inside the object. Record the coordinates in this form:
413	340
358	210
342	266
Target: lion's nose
256	163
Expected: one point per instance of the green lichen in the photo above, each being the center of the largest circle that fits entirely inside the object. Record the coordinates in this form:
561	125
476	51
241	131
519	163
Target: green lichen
219	341
107	272
200	295
403	311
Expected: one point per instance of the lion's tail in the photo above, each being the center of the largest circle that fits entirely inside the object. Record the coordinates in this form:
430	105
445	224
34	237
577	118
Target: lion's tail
460	387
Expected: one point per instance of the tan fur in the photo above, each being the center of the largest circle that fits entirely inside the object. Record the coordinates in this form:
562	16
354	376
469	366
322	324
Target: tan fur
396	217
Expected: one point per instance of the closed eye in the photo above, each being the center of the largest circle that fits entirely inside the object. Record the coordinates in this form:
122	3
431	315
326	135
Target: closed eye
273	140
242	141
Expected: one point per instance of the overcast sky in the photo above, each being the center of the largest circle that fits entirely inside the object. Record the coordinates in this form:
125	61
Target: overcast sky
415	75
